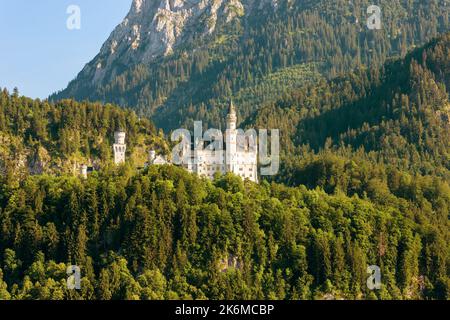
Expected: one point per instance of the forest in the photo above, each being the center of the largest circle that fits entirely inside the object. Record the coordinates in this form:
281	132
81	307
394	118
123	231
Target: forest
38	137
166	234
365	181
397	116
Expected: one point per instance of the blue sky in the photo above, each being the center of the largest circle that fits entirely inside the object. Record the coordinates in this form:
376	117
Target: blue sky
39	54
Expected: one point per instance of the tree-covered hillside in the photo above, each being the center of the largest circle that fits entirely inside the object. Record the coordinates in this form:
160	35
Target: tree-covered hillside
397	117
166	234
261	55
40	137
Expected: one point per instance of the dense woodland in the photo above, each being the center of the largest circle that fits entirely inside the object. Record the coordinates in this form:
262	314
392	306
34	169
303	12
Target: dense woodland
166	234
163	233
365	181
396	116
263	55
40	137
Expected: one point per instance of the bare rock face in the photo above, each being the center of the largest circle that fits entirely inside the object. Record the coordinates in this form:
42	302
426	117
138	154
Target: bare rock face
444	115
39	161
155	28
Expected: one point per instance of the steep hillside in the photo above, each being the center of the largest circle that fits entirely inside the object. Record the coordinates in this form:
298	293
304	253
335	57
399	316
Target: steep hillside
182	60
166	234
398	116
39	137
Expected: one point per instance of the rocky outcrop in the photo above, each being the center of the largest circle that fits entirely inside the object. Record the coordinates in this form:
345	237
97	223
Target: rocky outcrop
39	161
155	28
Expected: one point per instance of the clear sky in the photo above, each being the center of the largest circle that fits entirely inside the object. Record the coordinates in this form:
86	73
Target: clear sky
39	54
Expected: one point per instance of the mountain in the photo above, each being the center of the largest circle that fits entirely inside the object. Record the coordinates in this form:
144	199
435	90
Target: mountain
179	61
156	28
397	115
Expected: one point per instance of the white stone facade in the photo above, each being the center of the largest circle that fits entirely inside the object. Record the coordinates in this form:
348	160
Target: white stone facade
156	160
239	157
237	153
84	171
120	148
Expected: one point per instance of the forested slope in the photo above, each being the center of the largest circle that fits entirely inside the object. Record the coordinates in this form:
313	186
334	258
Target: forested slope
40	137
259	56
396	117
365	173
166	234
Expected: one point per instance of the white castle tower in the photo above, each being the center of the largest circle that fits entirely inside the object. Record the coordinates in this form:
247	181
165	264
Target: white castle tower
119	147
84	171
231	140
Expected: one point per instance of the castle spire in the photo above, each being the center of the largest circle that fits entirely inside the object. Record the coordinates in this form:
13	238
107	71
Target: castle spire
232	118
232	108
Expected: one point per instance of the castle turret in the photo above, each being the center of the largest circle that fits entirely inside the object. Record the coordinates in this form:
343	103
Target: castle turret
231	139
120	147
84	171
119	137
232	117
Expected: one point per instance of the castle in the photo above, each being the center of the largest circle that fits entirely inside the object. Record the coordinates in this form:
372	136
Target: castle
240	156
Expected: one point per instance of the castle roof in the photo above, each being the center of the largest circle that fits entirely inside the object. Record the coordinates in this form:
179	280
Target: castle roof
232	108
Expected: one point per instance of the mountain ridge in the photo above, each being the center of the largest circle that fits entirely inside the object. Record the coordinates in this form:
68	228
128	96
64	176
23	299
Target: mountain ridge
202	72
172	23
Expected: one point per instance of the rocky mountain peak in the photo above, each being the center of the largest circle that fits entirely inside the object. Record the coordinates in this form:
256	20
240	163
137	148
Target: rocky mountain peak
155	28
